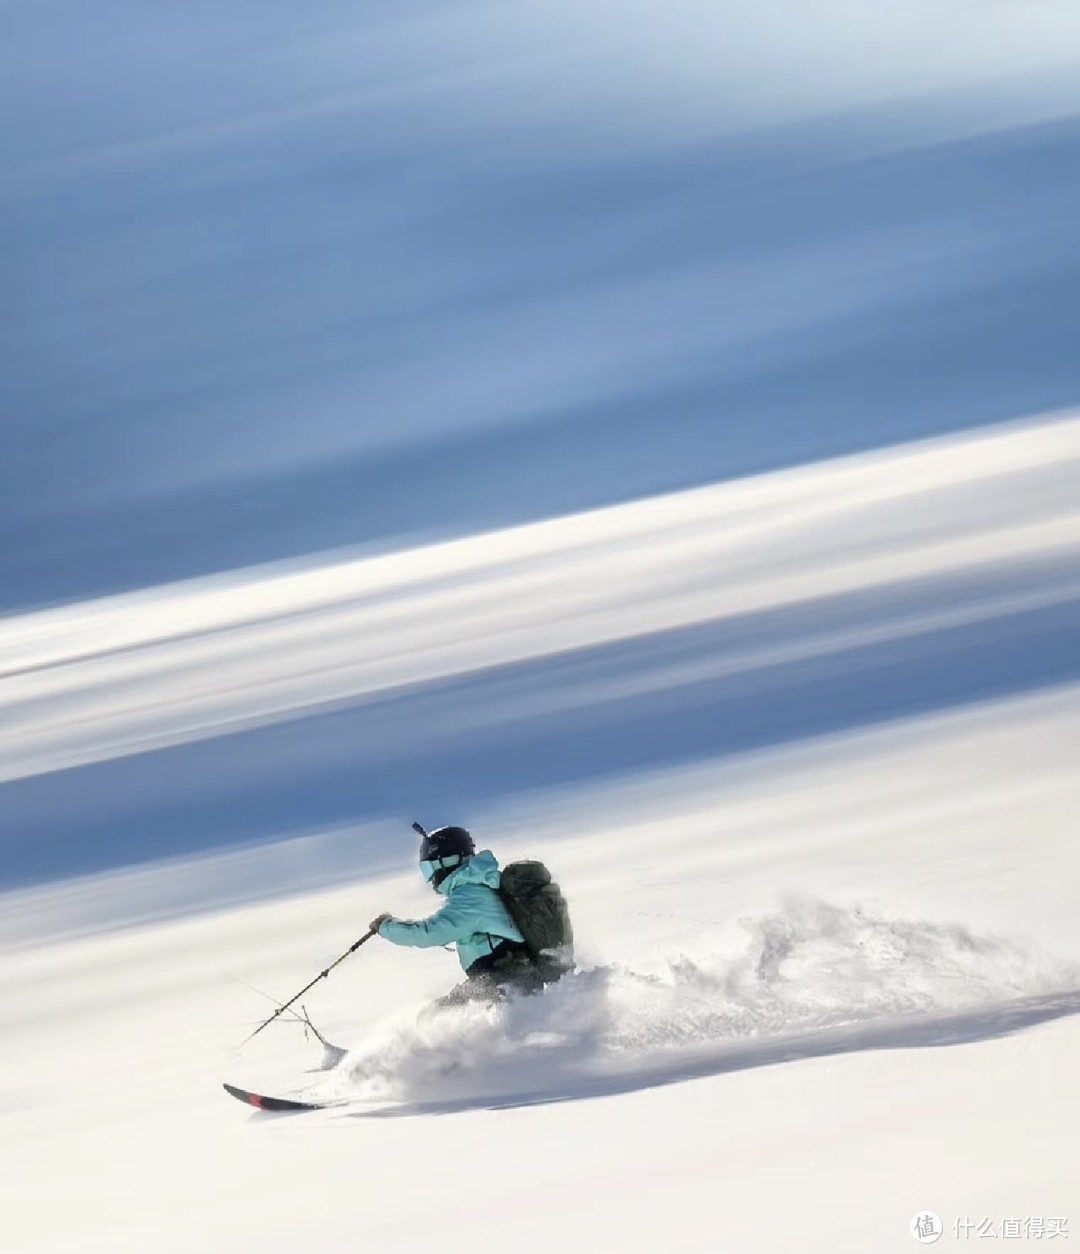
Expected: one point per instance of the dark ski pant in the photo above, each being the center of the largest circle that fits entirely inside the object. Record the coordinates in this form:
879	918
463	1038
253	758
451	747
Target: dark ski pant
507	969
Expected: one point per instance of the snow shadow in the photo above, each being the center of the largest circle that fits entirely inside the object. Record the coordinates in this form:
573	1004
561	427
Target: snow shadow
823	289
810	980
449	746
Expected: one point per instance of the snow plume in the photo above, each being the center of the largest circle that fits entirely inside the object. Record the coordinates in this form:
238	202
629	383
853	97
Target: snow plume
833	978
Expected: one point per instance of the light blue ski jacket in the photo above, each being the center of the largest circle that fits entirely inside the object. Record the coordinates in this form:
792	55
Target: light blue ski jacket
474	917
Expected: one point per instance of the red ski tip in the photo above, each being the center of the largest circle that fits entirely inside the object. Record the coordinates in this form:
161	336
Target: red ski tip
262	1102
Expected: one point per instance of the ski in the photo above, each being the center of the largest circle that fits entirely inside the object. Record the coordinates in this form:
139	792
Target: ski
262	1102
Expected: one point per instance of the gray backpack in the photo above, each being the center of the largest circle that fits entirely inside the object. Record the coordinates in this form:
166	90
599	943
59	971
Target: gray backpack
539	910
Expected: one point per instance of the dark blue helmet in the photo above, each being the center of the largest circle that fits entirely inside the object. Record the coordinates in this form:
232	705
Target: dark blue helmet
442	850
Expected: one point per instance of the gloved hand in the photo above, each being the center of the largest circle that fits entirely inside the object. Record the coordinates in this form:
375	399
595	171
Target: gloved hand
378	920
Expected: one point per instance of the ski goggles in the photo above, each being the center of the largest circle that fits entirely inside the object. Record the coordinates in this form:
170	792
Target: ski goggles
428	869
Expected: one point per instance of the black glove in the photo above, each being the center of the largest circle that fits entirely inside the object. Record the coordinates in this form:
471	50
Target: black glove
379	919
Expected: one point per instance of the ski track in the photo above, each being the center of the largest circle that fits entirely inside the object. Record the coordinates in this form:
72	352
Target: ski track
812	979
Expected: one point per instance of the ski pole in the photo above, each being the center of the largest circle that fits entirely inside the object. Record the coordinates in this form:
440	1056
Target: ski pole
321	976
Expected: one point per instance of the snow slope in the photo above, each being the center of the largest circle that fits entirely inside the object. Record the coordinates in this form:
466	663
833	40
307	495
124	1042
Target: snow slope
829	978
282	278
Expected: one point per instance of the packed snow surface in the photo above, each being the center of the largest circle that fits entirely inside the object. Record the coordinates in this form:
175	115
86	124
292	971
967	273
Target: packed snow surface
811	790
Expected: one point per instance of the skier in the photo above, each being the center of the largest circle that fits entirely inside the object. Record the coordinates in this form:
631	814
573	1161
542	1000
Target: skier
491	948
